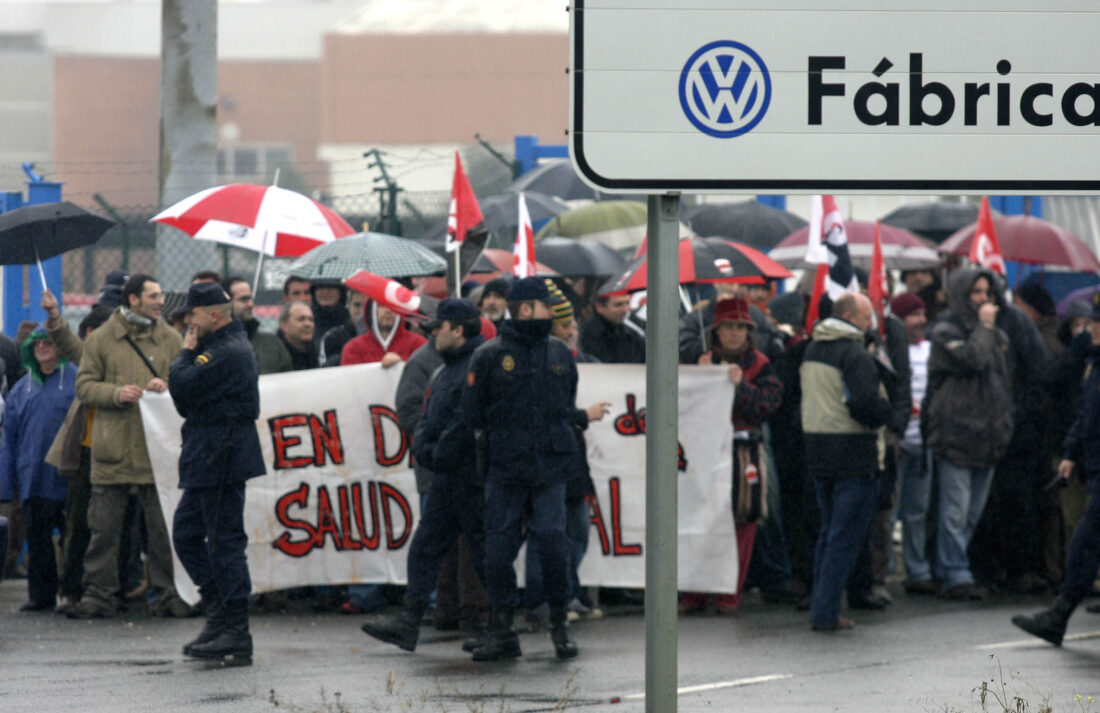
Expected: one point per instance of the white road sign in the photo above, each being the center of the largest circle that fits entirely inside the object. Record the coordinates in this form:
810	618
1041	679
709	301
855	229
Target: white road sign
854	96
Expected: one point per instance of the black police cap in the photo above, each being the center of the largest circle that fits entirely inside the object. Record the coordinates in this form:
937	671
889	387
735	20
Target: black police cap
205	294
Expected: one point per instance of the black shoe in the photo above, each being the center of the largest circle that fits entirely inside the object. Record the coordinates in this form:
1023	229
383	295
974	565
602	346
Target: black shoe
1049	624
36	606
479	638
502	641
402	630
564	645
867	601
924	586
233	645
215	622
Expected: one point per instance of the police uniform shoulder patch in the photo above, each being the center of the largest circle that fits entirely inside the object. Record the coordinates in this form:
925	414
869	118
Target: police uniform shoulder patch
470	378
507	363
203	359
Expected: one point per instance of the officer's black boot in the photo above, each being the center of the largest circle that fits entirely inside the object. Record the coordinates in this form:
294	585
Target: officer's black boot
402	629
215	619
477	639
560	633
502	641
1049	624
234	644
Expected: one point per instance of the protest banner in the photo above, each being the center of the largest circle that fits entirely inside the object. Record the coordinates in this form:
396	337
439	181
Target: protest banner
339	501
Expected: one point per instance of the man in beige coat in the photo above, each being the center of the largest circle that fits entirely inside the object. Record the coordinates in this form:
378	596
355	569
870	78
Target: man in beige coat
127	356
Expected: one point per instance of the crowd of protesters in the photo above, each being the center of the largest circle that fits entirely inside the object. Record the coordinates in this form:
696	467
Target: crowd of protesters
951	415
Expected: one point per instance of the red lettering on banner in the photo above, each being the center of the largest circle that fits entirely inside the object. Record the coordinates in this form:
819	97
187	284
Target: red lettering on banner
345	518
371	543
596	518
381	454
339	529
282	442
632	423
620	550
391	494
324	439
326	523
283	543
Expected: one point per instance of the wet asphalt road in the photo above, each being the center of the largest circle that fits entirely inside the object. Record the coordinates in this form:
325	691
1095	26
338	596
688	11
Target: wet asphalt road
919	655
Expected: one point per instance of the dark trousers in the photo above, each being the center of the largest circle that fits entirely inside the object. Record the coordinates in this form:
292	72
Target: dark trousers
1084	548
847	506
507	507
578	524
210	540
42	516
460	589
454	507
77	533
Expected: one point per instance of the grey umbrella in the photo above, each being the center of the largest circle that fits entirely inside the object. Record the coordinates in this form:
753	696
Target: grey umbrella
557	178
935	220
501	212
749	222
382	254
35	232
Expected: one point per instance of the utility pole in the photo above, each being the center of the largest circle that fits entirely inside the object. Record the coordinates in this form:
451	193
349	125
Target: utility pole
387	195
188	128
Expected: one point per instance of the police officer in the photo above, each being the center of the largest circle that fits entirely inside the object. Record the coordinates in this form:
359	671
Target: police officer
1082	446
213	383
521	393
455	502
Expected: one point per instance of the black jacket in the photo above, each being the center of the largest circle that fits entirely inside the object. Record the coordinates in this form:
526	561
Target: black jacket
301	358
521	391
409	400
611	343
1083	441
215	389
967	414
442	442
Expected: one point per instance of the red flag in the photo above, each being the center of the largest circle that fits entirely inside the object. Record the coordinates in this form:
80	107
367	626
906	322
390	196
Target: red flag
465	213
389	293
523	254
877	287
984	248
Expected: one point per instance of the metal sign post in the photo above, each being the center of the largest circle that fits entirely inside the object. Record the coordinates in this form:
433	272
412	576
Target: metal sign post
662	359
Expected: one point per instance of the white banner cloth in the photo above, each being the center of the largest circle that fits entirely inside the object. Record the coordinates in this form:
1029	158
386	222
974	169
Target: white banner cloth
339	501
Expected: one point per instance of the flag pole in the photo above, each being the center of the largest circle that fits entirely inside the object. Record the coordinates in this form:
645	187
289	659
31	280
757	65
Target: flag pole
458	269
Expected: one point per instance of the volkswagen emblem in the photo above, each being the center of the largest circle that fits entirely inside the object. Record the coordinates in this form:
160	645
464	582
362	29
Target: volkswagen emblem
725	89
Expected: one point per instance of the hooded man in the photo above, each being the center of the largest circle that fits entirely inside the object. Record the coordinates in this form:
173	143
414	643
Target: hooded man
386	339
966	418
33	414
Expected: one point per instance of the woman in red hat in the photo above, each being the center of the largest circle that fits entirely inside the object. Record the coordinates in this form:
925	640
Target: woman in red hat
757	394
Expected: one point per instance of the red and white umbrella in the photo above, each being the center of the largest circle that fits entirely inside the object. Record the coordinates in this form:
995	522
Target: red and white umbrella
266	219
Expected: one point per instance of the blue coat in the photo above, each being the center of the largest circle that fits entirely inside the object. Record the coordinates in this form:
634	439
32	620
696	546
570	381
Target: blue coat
215	389
521	390
442	442
33	415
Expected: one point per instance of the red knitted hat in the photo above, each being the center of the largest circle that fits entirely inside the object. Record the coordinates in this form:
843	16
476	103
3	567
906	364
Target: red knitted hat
732	309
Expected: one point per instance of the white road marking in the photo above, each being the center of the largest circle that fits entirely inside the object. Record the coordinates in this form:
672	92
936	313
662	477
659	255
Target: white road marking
1035	641
720	684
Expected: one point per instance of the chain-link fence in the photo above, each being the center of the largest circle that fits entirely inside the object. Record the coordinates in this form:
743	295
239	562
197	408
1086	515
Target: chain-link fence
132	245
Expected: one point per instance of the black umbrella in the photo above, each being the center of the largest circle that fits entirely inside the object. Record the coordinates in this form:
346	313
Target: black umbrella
749	222
575	258
36	232
557	178
501	212
936	220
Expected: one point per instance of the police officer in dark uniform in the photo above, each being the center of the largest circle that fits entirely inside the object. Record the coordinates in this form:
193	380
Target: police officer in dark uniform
1081	447
456	496
213	383
521	393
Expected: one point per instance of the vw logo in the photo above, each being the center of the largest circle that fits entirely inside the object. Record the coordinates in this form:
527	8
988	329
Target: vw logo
725	89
